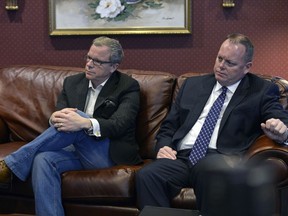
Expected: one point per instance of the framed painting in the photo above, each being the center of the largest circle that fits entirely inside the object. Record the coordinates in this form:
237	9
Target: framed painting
93	17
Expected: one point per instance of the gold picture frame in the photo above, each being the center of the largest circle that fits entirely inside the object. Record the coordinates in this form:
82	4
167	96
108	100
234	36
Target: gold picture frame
93	17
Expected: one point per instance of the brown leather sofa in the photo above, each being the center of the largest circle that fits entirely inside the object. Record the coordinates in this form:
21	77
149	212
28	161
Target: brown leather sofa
27	98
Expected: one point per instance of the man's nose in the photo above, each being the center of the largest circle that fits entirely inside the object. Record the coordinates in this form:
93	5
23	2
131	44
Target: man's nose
222	64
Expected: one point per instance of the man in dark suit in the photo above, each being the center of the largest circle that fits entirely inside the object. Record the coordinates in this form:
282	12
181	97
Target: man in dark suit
89	130
251	108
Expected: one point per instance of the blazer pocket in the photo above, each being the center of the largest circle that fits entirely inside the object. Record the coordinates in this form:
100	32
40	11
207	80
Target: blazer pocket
108	107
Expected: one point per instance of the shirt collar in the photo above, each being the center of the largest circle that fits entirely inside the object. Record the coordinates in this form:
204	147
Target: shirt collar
232	88
101	85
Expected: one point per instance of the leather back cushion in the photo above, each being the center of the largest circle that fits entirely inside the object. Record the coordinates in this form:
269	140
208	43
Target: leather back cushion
282	85
29	93
156	95
28	97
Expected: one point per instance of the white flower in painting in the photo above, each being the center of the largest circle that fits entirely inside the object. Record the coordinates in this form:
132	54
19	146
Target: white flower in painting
109	8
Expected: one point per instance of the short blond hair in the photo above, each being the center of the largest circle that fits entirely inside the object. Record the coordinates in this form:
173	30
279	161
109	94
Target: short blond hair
238	38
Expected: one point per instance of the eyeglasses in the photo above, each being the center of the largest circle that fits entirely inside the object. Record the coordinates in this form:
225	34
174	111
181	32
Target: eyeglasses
96	62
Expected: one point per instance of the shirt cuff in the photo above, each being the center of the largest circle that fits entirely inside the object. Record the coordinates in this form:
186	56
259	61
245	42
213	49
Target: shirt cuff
95	128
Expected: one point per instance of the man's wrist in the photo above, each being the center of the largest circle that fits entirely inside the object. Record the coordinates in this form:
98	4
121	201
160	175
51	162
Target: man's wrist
89	128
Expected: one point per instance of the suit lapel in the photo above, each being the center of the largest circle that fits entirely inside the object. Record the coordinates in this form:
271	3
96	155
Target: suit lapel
201	100
81	93
197	107
238	96
107	89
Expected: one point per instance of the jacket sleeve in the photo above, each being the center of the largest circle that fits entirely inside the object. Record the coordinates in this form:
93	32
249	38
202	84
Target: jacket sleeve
170	125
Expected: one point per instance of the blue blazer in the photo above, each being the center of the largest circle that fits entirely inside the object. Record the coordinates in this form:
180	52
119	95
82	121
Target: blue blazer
255	101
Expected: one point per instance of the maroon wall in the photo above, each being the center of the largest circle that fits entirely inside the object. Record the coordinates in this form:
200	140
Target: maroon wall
25	39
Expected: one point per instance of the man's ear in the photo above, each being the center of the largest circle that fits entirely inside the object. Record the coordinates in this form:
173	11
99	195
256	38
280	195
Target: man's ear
114	67
248	67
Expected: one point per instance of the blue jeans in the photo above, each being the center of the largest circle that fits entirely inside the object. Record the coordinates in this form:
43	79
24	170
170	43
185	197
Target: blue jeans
51	154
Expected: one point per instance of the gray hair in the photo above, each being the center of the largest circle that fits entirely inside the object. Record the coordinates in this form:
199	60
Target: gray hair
117	53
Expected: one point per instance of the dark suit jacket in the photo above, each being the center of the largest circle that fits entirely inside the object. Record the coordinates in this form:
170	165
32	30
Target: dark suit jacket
254	101
116	110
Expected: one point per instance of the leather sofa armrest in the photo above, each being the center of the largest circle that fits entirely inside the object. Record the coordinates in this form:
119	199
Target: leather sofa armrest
4	131
266	151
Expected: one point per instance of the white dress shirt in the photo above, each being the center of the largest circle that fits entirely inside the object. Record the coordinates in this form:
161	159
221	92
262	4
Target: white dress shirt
90	104
188	141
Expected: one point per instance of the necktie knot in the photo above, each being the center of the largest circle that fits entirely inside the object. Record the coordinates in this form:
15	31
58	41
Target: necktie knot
224	90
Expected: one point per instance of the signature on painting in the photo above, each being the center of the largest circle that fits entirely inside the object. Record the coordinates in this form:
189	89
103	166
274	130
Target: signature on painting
120	10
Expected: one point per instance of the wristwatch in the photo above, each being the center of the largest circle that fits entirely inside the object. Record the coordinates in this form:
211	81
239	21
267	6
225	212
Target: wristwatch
90	130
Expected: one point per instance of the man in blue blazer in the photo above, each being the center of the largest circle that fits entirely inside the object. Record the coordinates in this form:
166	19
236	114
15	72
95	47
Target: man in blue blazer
89	130
251	108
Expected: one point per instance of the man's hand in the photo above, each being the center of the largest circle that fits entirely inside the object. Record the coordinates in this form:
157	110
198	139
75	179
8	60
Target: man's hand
166	152
275	129
69	120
